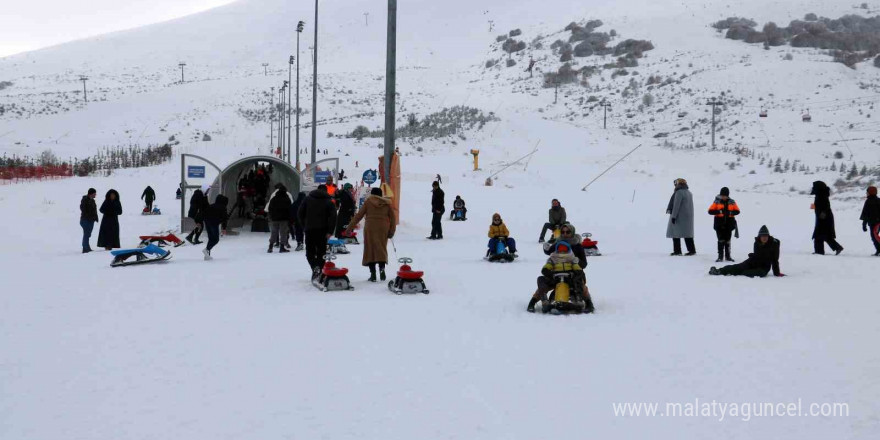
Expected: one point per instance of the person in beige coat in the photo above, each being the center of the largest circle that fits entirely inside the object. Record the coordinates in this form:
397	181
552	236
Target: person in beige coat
378	229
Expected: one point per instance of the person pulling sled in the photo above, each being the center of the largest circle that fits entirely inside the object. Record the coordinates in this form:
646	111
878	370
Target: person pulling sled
148	196
765	257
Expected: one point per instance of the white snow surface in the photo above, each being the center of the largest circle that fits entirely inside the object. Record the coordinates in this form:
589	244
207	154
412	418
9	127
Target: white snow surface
243	347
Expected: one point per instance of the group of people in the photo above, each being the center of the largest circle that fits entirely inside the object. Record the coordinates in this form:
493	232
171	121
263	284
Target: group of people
208	217
111	208
253	187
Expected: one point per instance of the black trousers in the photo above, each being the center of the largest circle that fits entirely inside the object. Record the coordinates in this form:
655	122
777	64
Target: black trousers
819	244
744	269
149	204
689	242
213	229
436	227
316	247
724	234
547	227
298	232
342	221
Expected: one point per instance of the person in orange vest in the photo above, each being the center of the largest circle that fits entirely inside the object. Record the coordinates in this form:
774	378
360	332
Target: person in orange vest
725	211
331	189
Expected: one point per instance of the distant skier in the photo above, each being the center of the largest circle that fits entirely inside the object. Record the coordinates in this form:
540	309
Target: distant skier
458	205
763	258
556	218
725	211
178	194
88	216
215	217
437	209
871	218
378	228
278	209
824	229
341	175
318	217
681	218
148	196
108	235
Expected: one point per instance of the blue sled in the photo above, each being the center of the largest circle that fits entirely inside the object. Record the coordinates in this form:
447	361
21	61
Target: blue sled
149	254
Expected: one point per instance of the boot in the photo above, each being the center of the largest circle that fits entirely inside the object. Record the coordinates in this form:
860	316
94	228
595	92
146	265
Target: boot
531	306
382	274
189	237
727	252
588	304
372	278
270	248
720	252
299	247
283	250
196	238
839	250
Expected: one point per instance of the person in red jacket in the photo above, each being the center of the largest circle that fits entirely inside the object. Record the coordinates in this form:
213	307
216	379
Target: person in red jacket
725	211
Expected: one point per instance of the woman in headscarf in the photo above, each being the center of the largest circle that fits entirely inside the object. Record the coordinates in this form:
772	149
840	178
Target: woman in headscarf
108	235
378	228
681	218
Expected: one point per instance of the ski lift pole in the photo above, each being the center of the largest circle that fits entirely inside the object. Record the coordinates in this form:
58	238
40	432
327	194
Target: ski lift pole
514	162
612	166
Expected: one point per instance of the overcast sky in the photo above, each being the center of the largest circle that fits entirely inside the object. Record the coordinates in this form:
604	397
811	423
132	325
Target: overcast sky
31	24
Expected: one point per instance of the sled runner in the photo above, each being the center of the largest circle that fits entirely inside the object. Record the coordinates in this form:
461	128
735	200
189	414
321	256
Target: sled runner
160	240
408	280
337	246
149	254
591	248
332	278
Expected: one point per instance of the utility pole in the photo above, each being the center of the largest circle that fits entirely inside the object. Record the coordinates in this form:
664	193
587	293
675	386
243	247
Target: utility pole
281	120
555	90
713	102
182	65
83	78
290	82
265	69
272	120
390	85
315	90
366	18
299	29
605	106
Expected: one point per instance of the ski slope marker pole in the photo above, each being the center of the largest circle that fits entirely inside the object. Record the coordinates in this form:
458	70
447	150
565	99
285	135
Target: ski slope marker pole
612	166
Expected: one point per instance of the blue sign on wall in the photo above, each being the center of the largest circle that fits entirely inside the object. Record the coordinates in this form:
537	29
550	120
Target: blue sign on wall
322	176
370	177
195	171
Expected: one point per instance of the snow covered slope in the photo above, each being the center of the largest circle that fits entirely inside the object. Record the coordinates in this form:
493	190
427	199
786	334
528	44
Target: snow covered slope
244	347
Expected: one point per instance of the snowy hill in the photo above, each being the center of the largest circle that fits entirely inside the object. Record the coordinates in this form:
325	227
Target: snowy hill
244	347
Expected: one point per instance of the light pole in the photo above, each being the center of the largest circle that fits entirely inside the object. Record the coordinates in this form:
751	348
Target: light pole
182	65
390	79
272	120
83	78
366	18
299	29
315	90
265	69
289	81
605	105
285	146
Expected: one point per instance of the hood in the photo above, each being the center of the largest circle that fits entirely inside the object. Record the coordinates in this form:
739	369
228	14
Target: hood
770	239
820	189
221	200
377	200
112	191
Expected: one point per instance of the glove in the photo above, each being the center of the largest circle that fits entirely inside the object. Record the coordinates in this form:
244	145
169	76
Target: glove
673	220
390	236
865	227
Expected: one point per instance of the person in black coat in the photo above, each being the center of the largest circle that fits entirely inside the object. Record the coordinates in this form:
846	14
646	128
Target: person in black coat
108	235
278	209
296	226
88	216
198	206
764	257
824	230
347	208
148	196
317	213
215	217
871	218
438	207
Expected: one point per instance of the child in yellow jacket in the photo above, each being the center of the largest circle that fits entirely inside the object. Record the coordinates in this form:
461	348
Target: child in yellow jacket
498	232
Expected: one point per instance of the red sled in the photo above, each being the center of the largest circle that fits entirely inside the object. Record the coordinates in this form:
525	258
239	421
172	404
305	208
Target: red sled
349	237
160	240
591	247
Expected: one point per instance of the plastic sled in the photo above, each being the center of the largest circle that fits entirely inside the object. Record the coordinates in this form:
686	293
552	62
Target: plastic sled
349	237
458	215
408	281
561	301
499	254
155	211
160	240
591	248
332	278
336	246
149	254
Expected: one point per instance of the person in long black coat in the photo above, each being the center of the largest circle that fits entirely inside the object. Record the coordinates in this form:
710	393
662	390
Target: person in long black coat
824	230
871	217
108	235
347	209
318	217
198	207
438	207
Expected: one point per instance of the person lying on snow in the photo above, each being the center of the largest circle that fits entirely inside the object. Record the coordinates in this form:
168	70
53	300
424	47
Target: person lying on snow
562	261
764	258
498	232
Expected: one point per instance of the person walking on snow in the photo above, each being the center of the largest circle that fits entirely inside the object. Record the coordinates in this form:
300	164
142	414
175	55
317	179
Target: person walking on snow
318	217
871	218
556	216
215	217
346	208
378	229
88	216
725	211
498	232
278	209
437	209
681	218
824	229
108	235
198	205
763	258
295	225
148	196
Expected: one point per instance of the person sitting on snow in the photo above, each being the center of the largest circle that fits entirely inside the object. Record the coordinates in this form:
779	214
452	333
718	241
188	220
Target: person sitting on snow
764	258
498	232
568	234
562	261
458	205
